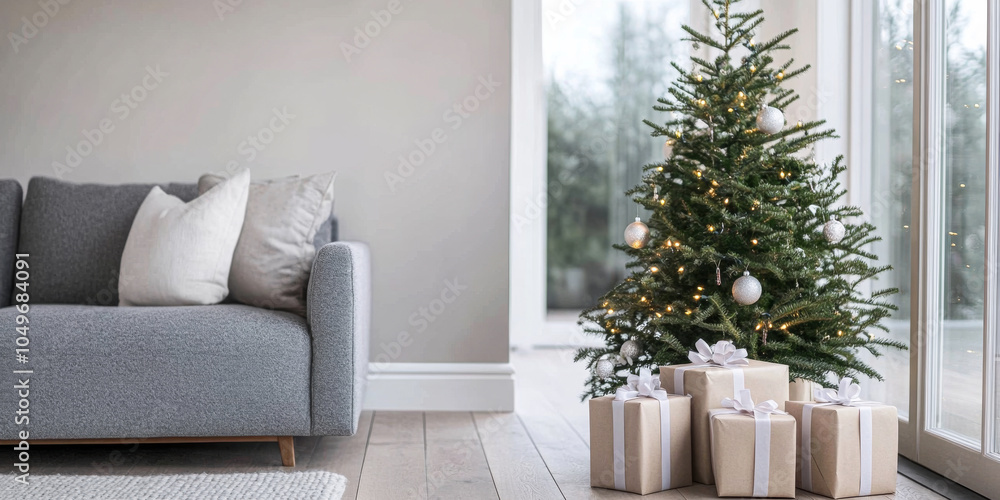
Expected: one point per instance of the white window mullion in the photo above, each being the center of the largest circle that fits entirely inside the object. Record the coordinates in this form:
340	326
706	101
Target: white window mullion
991	330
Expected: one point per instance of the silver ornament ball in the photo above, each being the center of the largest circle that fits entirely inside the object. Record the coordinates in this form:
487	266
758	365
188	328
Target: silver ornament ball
746	289
637	234
834	231
668	149
630	349
770	120
604	368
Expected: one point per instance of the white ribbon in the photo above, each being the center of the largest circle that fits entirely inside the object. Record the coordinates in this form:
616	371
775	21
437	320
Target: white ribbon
643	385
847	394
721	355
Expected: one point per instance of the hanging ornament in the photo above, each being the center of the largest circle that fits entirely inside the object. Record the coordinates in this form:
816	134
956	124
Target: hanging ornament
765	324
746	289
629	351
770	120
834	231
718	274
668	149
604	368
637	234
656	192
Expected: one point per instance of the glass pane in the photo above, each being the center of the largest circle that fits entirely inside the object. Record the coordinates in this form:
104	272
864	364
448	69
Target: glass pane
892	160
960	350
605	64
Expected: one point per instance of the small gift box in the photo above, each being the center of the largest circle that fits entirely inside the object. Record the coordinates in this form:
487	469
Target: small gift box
717	372
848	447
640	438
753	449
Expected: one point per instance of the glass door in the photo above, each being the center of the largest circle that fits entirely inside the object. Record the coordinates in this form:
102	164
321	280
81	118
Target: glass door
954	240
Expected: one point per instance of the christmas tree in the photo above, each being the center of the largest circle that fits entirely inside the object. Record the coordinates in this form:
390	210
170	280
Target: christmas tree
745	240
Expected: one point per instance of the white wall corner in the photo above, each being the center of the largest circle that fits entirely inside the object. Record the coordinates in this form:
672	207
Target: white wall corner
440	387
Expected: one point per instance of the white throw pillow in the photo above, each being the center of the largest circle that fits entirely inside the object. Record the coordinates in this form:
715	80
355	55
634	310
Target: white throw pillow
274	256
179	253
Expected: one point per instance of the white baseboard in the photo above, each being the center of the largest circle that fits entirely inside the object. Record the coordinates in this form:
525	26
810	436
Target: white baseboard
440	387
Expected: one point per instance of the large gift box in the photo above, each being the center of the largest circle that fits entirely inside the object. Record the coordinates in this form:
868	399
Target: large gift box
848	447
640	438
753	449
718	372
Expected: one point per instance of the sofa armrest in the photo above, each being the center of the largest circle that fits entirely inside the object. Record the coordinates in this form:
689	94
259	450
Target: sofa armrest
339	314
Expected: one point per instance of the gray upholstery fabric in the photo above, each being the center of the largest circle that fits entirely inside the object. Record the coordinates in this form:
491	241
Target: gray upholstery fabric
75	234
10	219
222	370
339	312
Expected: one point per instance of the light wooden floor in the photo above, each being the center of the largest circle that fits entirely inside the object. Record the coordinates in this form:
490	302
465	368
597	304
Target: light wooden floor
541	451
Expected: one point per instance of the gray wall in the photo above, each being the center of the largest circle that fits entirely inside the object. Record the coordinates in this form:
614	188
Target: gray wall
224	69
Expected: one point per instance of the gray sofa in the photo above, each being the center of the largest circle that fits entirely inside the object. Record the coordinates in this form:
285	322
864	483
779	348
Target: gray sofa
103	373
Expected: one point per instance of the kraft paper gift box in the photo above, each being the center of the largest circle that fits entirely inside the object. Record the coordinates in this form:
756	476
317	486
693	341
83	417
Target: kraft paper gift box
847	446
640	438
718	372
753	449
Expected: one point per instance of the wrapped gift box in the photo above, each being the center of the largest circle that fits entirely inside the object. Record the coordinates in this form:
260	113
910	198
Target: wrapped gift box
640	444
725	372
802	390
753	453
848	447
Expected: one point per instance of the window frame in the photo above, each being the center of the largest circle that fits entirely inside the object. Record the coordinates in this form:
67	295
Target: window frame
947	454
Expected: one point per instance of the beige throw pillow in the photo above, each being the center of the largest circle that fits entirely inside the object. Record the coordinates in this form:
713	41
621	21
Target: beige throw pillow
179	253
275	251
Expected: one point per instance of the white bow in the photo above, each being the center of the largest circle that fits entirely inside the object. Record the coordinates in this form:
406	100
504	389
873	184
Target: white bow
848	394
642	385
744	404
723	353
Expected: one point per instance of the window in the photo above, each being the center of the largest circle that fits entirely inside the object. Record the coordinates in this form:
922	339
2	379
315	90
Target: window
605	63
959	351
891	150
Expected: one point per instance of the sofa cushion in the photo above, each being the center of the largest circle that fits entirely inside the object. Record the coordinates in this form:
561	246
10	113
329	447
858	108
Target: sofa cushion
75	234
180	253
10	217
222	370
285	217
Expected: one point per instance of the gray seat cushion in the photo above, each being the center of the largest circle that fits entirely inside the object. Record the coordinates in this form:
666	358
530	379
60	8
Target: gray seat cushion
10	217
223	370
76	233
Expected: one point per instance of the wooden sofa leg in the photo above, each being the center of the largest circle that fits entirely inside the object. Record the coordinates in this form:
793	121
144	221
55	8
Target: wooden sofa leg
287	446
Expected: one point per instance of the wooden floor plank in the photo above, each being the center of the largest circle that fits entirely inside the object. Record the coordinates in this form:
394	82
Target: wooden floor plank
344	455
456	463
394	464
518	470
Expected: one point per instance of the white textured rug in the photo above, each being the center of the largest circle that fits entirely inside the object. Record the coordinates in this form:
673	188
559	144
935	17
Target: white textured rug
315	485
